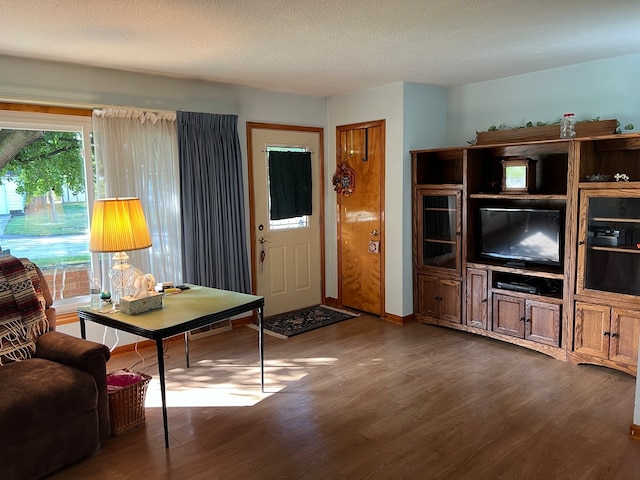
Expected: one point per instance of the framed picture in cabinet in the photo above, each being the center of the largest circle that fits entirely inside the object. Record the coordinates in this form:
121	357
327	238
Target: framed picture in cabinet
518	175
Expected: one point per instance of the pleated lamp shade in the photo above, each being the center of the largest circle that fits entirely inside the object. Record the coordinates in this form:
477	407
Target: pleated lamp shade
118	225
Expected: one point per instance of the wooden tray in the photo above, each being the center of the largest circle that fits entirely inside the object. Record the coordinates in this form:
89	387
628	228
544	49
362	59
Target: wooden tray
546	132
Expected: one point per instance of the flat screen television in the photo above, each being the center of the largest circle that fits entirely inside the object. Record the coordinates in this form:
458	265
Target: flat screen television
521	235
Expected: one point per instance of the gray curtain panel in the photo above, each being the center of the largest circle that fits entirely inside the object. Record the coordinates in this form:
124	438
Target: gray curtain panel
214	247
289	184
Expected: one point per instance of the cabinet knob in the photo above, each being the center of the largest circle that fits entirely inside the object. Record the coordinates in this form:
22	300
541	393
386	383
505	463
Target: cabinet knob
580	242
613	335
606	334
522	319
484	300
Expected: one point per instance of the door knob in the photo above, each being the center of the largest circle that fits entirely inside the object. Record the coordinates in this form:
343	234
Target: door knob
374	232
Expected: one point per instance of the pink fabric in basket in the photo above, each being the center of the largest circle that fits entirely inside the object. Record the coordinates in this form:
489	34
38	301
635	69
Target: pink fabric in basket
121	379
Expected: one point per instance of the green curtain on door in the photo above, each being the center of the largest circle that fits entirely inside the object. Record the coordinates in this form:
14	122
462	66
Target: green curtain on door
289	184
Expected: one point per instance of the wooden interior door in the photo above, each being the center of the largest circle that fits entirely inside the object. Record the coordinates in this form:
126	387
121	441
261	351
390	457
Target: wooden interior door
360	224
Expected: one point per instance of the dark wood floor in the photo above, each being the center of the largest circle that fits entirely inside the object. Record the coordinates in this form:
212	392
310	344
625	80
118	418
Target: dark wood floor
369	399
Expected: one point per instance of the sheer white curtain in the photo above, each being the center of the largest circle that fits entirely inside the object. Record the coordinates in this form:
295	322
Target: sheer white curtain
136	155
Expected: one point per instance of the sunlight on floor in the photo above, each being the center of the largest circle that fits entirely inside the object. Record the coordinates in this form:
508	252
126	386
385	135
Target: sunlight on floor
223	383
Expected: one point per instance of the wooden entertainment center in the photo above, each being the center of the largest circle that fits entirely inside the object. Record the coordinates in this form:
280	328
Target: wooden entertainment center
581	305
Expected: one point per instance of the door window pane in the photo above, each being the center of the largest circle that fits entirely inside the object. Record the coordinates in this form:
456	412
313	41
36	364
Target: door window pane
286	223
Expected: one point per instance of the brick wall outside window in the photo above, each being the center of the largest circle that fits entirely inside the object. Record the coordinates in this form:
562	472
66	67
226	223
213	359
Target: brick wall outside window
67	282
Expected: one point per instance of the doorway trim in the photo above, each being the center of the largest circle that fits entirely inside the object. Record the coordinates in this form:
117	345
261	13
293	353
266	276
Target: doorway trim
252	221
356	126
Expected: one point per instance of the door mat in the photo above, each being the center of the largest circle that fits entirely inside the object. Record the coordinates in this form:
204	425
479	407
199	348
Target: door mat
294	323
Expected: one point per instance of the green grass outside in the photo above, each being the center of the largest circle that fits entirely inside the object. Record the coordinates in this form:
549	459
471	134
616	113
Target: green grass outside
71	219
75	260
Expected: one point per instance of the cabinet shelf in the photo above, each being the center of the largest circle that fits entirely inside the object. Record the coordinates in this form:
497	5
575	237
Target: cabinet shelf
436	240
614	249
517	196
615	219
545	297
608	185
432	209
442	167
440	186
540	270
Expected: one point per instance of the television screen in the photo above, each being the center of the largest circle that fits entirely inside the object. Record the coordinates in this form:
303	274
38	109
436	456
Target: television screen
521	234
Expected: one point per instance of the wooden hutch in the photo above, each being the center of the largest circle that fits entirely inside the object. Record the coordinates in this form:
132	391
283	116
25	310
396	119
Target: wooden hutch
582	305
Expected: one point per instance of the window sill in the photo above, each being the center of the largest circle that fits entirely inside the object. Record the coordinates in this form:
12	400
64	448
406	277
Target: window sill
70	306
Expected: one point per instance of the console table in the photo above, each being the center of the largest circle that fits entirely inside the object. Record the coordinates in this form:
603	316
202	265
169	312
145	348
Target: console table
193	308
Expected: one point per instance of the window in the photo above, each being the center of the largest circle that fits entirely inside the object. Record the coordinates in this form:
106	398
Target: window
45	198
287	223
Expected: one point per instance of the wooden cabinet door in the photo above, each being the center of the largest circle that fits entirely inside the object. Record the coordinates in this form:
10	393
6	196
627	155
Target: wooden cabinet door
428	303
508	315
449	298
477	305
437	230
592	327
625	331
542	322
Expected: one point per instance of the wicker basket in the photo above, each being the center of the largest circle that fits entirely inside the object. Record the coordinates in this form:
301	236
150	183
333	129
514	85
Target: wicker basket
126	406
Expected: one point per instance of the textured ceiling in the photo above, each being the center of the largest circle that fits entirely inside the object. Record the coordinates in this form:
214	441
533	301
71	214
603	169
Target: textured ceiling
322	47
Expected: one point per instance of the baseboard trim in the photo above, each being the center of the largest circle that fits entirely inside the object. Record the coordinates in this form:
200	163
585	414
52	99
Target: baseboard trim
634	431
241	322
332	302
132	347
64	318
390	317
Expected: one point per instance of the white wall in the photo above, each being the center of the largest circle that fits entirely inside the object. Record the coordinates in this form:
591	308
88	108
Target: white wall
606	89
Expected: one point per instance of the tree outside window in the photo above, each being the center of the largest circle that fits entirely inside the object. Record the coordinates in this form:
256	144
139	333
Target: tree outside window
43	204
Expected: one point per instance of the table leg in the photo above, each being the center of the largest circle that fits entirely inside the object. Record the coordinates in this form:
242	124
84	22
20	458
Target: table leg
163	392
261	343
186	346
83	329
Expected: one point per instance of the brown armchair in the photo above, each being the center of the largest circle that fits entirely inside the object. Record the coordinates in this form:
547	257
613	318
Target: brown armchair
53	406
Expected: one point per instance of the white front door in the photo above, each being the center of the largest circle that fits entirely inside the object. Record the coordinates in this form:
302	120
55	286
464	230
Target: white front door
286	254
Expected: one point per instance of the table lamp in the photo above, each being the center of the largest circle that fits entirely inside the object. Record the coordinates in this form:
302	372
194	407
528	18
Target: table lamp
118	226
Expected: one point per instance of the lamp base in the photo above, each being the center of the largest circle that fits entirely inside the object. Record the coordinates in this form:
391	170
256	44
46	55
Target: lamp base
121	276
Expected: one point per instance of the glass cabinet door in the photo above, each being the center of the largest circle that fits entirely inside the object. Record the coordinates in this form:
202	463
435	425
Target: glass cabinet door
439	229
609	243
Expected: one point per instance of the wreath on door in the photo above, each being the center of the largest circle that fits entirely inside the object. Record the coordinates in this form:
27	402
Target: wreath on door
344	180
